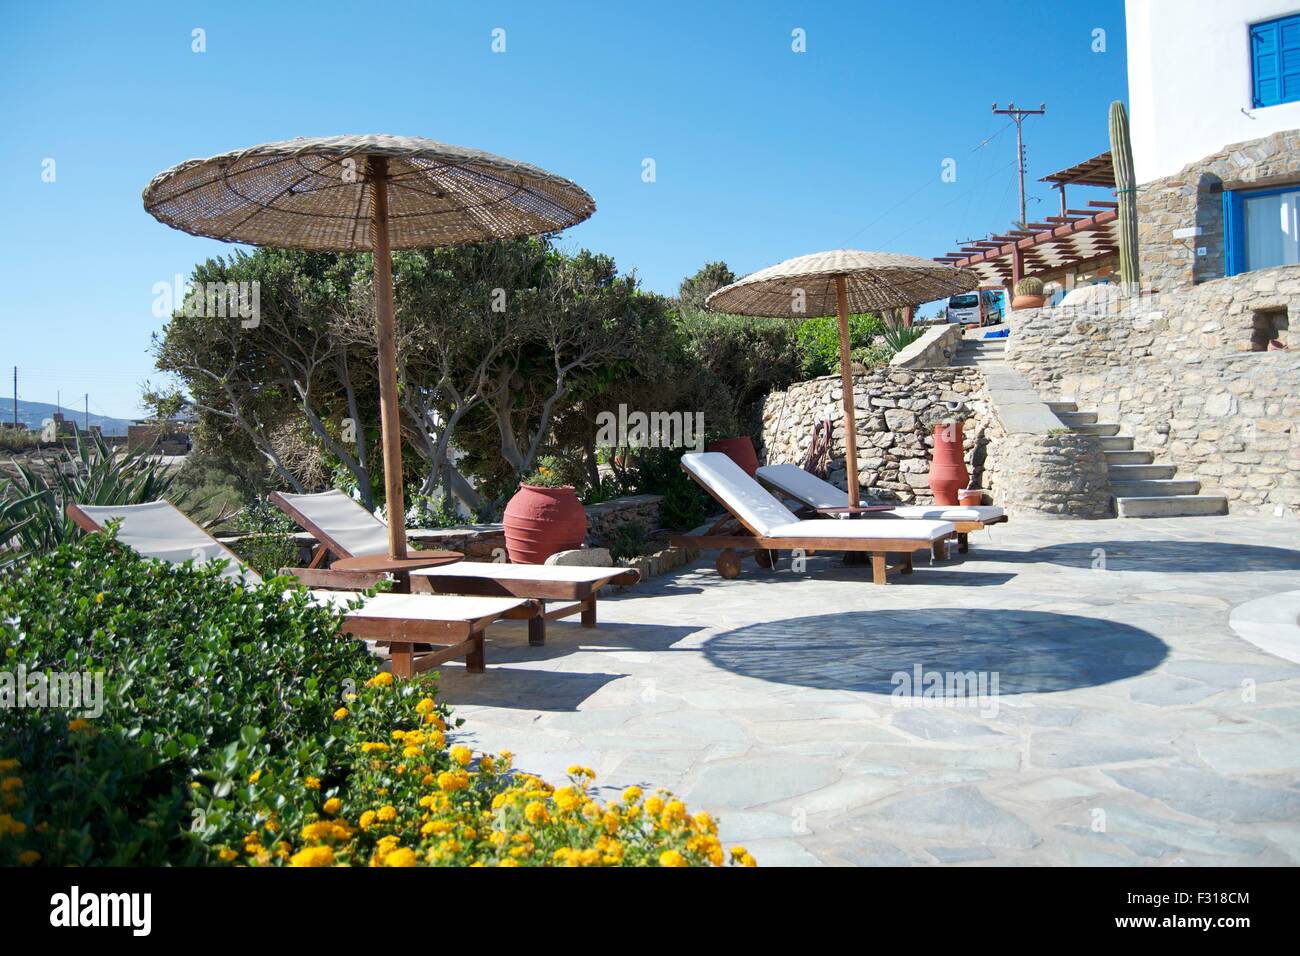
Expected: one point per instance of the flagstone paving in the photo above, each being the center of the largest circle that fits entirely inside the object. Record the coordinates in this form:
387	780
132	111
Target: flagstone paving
1130	724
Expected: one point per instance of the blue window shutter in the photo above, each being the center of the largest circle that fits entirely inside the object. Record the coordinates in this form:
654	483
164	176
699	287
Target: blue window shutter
1234	234
1265	59
1289	59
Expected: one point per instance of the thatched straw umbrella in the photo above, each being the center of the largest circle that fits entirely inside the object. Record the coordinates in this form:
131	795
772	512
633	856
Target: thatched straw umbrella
366	194
840	282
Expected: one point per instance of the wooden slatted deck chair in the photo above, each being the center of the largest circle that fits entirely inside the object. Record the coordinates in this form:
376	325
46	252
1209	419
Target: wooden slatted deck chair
456	624
811	491
758	521
345	529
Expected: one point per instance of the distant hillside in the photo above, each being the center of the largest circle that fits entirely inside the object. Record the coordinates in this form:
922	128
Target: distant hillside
33	414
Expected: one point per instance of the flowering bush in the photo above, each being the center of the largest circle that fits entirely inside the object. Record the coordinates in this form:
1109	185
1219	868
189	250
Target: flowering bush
387	790
240	727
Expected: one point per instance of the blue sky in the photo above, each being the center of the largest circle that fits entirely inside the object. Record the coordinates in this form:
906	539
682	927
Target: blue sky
760	153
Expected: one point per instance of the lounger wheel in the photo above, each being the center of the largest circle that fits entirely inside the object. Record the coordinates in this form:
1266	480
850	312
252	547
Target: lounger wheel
763	557
728	564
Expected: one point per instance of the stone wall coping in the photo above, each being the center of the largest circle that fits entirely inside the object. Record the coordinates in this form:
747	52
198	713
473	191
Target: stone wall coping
618	504
934	344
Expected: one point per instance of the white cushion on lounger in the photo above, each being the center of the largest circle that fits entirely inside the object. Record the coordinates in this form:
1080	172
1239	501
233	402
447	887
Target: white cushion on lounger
949	512
865	530
159	530
745	497
345	520
804	486
817	493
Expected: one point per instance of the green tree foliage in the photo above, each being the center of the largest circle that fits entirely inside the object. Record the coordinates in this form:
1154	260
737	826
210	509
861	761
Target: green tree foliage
696	288
819	341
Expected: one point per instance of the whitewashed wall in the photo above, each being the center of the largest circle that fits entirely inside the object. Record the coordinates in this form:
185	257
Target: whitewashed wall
1189	80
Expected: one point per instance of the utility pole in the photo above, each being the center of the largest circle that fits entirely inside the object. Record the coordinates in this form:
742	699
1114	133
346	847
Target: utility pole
15	398
87	413
1018	117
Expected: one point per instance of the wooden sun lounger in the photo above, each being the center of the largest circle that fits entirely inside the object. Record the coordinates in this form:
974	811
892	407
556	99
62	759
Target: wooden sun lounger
819	497
733	534
404	621
561	591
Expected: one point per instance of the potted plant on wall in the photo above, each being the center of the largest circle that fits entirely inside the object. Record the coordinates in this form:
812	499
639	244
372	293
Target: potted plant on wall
1029	294
544	517
948	475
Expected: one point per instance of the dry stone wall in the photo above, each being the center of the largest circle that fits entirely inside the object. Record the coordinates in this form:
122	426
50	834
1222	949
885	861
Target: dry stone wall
894	444
1175	371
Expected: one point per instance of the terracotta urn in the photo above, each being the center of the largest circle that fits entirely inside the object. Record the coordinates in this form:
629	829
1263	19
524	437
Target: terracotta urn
541	521
1028	302
740	450
948	467
970	497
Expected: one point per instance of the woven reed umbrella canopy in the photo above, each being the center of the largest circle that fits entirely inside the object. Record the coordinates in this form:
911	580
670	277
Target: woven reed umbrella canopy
366	194
838	283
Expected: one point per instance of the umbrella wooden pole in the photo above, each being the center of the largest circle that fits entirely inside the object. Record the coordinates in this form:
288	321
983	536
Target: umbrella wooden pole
846	386
386	343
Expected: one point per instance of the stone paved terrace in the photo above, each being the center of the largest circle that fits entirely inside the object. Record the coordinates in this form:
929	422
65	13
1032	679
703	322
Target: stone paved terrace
1133	727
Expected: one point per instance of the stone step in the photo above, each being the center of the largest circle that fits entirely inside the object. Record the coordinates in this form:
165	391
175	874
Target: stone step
1063	406
966	361
1172	506
985	345
1097	429
1155	488
1077	418
1129	457
1115	443
1140	472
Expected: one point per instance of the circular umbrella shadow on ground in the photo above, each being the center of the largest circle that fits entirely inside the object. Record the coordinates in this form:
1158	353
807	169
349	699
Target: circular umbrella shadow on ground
1030	651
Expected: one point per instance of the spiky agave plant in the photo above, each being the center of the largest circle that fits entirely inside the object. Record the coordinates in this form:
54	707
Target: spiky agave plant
33	519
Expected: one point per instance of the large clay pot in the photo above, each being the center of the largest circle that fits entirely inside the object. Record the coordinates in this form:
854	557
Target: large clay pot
740	450
948	468
1028	302
541	521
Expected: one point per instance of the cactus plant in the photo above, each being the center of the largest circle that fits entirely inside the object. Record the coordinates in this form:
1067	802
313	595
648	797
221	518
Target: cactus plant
1030	285
1121	154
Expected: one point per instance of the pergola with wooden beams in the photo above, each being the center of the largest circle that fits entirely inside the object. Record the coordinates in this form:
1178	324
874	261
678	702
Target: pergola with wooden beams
1075	239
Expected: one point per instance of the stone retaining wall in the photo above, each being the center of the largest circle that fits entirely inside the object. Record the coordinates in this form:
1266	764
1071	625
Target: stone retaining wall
1056	475
935	349
894	446
1174	371
605	518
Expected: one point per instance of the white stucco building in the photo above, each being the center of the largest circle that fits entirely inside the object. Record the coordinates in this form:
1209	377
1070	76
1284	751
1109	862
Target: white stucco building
1206	73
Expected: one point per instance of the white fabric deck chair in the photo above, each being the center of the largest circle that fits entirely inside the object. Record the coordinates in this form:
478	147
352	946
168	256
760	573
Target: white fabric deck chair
806	488
159	530
767	525
346	529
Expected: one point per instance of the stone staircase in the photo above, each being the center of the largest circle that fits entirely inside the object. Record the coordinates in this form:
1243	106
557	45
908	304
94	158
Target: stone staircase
1142	488
981	352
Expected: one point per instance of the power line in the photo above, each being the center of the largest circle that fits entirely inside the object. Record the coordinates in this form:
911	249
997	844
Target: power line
1018	117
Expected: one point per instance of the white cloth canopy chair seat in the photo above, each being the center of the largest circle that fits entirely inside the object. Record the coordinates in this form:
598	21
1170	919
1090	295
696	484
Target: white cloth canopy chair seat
159	530
815	493
346	529
766	525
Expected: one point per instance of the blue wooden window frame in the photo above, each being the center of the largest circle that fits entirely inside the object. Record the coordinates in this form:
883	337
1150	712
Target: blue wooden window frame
1275	61
1234	224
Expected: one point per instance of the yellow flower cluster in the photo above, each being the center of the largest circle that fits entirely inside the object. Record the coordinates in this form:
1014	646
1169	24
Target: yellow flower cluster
414	800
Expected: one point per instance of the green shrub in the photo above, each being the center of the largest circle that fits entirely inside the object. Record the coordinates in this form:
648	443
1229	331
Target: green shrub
268	543
819	341
628	540
685	503
187	660
895	338
241	726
